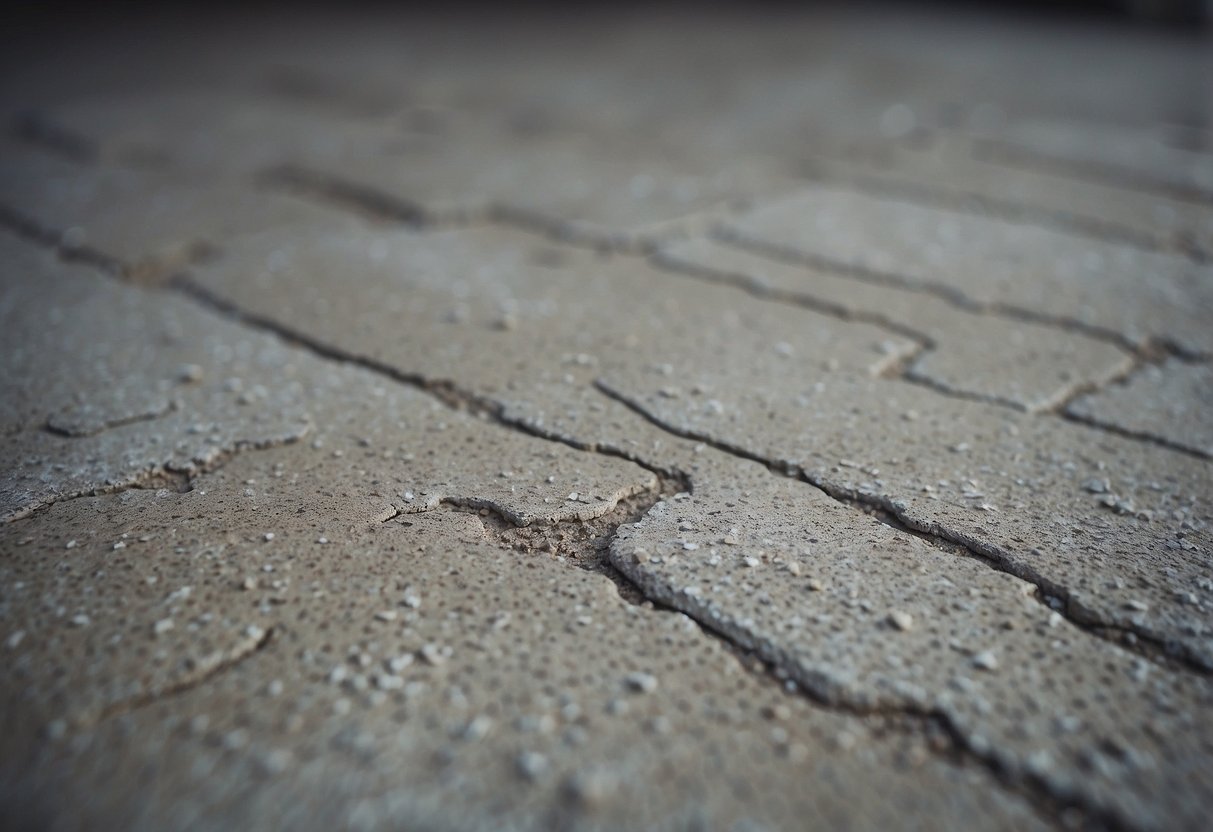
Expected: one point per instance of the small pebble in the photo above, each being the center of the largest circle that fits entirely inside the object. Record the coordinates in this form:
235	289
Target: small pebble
189	373
531	765
433	654
985	660
641	682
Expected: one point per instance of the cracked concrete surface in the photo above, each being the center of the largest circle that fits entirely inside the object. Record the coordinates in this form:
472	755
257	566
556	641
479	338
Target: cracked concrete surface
175	218
461	438
1168	402
1109	288
946	169
1023	364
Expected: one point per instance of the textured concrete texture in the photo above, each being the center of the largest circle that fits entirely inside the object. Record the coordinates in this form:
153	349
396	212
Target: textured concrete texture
734	420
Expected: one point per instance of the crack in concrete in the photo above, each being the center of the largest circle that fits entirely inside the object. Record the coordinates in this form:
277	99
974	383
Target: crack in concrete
583	543
375	204
378	205
795	257
1150	346
920	721
204	670
155	477
36	233
1135	435
459	399
885	183
1015	155
444	390
589	547
451	395
887	510
907	369
31	128
917	721
68	431
332	190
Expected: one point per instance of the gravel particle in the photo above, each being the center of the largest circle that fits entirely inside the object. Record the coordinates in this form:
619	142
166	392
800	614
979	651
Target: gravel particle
531	765
641	682
985	660
399	663
276	761
478	728
590	788
433	654
389	681
189	373
901	620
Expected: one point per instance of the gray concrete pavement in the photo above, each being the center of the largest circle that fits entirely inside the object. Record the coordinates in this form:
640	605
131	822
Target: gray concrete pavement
739	421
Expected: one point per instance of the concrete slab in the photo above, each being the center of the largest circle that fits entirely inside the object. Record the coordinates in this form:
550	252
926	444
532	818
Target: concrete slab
173	219
1116	289
1168	402
620	419
1023	364
451	682
221	388
950	170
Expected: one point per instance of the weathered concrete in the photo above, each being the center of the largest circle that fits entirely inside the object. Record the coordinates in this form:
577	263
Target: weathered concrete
635	422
